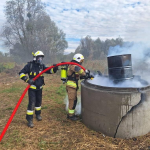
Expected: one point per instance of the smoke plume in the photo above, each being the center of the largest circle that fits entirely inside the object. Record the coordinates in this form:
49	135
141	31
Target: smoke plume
140	53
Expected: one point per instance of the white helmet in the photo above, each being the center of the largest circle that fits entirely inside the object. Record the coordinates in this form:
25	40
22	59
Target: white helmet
39	53
78	57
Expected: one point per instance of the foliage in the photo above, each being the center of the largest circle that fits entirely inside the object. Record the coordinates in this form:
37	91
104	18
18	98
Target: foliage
4	66
29	28
5	58
5	62
96	49
61	90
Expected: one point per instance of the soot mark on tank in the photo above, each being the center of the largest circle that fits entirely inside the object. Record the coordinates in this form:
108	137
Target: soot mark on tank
143	98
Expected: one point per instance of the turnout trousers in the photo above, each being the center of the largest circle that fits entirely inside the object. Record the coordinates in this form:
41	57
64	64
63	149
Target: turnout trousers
35	101
72	96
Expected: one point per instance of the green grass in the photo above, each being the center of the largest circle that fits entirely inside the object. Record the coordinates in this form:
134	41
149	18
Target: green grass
8	65
2	115
12	89
44	107
61	90
15	137
9	108
60	94
59	100
42	144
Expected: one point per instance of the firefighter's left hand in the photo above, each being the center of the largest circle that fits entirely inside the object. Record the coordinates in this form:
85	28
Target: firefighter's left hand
30	81
55	68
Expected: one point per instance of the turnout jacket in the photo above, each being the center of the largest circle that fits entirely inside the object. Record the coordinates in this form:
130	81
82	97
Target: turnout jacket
74	73
33	69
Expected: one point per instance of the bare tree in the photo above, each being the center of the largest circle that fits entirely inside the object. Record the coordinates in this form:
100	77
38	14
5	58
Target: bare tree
29	28
86	46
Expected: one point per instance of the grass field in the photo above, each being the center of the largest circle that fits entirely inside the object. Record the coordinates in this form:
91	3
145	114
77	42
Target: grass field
54	132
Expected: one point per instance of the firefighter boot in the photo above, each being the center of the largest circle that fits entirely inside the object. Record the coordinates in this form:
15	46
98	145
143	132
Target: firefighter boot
38	117
30	124
73	118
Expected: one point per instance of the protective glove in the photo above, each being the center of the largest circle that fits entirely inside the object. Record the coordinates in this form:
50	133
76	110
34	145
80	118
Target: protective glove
30	81
87	71
91	76
88	75
55	68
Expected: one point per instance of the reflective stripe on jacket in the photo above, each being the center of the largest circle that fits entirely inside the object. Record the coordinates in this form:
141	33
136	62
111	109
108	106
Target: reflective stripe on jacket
33	69
34	87
74	76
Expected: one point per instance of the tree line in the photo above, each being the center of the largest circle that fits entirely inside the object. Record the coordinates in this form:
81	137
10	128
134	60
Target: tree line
96	49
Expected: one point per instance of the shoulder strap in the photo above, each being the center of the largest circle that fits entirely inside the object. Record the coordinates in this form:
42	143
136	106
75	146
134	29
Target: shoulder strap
30	62
42	67
73	73
31	66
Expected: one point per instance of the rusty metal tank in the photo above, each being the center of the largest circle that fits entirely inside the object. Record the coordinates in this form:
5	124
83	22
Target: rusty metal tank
120	112
120	67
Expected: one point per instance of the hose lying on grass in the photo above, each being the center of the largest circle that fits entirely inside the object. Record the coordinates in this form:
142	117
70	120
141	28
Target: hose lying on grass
23	94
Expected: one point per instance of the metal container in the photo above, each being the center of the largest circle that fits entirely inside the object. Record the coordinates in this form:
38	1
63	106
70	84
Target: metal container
116	112
120	67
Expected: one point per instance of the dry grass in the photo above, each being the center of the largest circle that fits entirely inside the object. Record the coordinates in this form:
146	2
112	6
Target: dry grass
97	65
55	132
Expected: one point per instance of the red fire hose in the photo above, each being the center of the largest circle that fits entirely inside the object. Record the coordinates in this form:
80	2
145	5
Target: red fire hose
22	96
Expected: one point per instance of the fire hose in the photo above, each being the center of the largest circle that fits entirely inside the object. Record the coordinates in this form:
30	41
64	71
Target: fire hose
23	94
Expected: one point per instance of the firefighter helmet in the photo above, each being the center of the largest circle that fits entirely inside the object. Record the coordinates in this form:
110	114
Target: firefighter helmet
78	57
38	57
39	53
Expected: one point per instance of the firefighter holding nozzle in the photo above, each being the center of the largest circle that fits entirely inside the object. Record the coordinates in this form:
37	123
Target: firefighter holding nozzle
73	74
33	68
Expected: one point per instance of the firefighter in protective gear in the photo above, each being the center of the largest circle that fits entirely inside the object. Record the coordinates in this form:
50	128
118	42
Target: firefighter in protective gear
74	73
33	68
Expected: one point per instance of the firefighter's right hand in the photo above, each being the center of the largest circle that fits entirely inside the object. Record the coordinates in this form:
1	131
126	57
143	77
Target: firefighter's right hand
87	71
30	81
87	74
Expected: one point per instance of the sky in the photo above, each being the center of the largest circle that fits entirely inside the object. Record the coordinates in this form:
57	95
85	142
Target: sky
106	19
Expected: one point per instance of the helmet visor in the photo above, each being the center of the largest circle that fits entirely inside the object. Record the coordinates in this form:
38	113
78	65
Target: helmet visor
39	59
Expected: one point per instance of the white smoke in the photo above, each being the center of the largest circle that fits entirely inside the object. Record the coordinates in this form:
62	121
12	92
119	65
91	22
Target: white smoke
78	106
140	57
137	50
105	81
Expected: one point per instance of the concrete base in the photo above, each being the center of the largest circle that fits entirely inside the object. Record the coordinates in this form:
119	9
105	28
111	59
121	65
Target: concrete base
116	112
